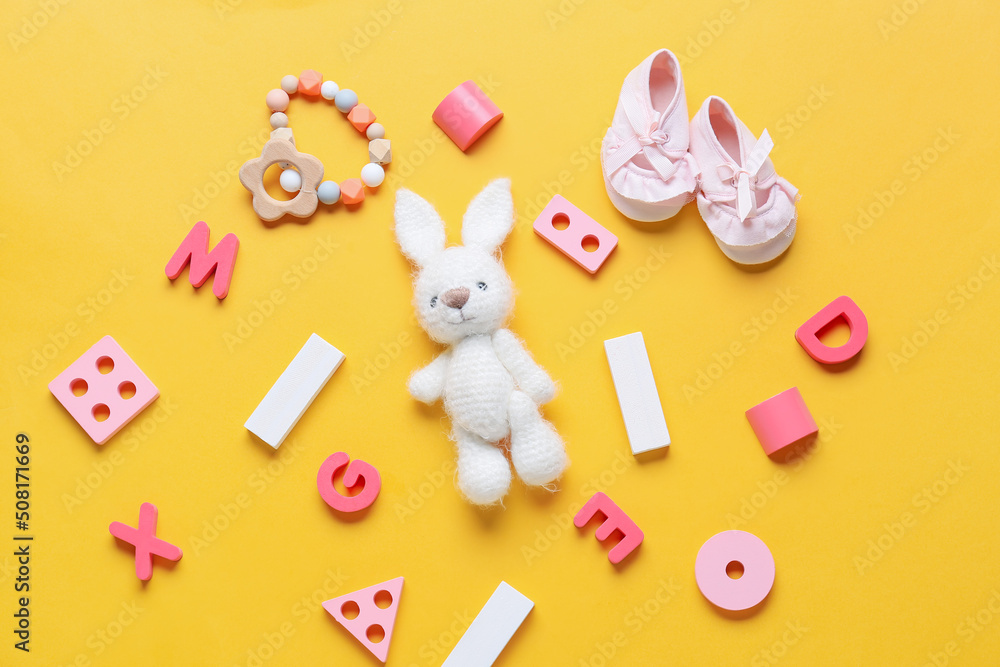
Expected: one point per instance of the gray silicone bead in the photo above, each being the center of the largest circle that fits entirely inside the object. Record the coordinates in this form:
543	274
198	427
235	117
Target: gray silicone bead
328	192
346	100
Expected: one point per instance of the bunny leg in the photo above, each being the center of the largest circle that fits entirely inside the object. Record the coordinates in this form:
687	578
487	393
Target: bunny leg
483	471
535	448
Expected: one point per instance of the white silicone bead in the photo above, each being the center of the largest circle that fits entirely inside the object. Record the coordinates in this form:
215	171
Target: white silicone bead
290	180
279	119
375	131
372	175
328	90
345	100
328	192
289	83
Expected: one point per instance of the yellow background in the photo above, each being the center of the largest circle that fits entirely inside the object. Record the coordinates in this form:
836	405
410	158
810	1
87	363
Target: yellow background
851	93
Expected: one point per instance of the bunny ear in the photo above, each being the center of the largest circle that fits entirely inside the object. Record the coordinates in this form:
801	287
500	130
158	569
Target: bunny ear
489	217
419	229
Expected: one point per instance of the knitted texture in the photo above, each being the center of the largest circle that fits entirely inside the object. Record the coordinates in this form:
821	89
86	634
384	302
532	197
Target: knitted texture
490	385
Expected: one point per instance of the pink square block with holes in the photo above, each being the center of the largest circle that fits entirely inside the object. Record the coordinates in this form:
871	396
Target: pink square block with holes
103	382
578	229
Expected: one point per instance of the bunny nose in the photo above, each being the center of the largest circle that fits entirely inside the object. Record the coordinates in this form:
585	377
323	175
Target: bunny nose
455	298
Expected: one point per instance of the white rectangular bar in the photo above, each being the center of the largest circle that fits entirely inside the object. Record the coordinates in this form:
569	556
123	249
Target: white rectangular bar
637	395
492	628
294	391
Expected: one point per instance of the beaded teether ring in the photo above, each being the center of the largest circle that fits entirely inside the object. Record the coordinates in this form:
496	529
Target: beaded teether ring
307	176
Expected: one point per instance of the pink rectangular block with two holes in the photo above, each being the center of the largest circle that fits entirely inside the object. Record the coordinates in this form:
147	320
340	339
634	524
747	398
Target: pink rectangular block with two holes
103	390
569	229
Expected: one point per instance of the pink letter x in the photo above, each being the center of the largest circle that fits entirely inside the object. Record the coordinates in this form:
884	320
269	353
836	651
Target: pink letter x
145	541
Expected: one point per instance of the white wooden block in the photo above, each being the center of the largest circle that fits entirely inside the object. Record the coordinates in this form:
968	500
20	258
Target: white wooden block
637	395
492	628
294	391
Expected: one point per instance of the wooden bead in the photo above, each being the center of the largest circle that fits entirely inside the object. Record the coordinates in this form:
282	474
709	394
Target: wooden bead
380	151
279	119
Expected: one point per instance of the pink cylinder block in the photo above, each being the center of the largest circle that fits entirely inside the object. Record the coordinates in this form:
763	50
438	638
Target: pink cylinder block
465	114
781	421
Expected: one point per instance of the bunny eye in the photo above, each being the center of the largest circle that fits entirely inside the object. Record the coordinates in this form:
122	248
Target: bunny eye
434	301
481	286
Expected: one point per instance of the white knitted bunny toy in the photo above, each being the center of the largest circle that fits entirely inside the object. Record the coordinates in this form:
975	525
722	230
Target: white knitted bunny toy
490	384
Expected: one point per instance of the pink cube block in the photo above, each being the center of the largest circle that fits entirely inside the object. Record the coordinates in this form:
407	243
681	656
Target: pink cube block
781	421
103	390
569	229
465	114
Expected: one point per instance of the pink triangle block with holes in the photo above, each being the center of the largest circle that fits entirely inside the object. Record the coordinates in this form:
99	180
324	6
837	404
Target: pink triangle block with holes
103	393
369	614
578	229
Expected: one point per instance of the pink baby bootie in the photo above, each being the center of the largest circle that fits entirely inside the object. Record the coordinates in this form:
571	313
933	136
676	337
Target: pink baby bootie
648	171
748	208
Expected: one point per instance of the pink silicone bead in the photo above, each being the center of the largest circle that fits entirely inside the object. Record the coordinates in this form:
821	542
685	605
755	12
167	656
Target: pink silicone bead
781	421
465	114
145	541
369	614
842	307
616	519
581	227
103	391
277	100
715	583
357	471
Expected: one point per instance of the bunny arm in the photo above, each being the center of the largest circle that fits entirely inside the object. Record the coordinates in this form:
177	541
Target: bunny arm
528	375
427	384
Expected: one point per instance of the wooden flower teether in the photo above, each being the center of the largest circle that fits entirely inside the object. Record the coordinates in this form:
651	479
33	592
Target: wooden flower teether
281	148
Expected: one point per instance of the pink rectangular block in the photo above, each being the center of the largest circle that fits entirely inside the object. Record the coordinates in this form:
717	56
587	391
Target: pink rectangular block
569	229
103	390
